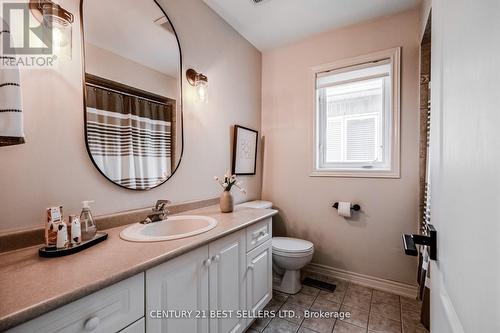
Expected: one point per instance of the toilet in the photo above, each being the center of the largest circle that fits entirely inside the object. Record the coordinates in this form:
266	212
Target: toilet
290	255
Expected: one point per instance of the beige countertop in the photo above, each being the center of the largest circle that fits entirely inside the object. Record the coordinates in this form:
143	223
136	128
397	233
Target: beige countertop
31	286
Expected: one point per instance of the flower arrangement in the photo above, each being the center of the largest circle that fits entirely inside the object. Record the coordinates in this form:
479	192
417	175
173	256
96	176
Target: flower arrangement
228	181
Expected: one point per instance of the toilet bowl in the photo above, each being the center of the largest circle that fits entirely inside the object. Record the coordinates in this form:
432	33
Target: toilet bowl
290	255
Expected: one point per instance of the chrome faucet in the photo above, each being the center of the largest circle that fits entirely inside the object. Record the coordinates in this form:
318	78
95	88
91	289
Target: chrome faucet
160	212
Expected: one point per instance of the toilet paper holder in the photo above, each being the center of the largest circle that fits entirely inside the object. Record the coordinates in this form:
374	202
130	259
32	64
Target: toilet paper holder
355	207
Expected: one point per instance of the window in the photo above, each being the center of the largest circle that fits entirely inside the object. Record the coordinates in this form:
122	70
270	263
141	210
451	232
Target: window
357	117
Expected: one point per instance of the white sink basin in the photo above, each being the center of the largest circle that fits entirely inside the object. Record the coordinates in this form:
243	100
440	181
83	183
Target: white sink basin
174	227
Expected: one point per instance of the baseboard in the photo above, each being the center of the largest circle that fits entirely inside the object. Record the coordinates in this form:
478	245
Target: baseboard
394	287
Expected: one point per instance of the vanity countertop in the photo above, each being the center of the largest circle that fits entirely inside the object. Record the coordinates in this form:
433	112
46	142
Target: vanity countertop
31	286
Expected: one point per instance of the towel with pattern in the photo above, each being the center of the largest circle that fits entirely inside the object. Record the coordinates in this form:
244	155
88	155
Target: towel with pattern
11	116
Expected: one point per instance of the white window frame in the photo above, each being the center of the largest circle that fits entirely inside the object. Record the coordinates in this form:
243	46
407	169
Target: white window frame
356	170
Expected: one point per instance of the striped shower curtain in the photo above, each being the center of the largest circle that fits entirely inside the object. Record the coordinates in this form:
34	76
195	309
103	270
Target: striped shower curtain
129	138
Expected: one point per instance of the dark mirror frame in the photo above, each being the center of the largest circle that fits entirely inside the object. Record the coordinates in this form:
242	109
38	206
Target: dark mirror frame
179	106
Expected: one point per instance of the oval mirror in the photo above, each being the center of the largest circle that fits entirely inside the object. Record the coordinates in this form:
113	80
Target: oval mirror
132	91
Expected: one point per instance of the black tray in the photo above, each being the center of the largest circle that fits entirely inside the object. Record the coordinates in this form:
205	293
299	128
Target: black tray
52	251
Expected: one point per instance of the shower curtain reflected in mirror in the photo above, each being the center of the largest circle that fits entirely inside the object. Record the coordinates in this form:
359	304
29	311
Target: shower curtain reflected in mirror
129	137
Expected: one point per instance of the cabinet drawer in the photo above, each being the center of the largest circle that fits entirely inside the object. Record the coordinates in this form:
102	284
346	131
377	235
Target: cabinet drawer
107	310
259	233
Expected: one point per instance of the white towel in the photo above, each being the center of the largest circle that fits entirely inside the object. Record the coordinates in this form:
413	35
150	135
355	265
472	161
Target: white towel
11	116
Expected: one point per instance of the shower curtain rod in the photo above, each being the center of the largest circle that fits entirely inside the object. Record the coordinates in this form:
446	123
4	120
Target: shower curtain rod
124	93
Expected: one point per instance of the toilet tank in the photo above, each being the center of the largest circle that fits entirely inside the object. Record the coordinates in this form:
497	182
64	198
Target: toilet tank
257	204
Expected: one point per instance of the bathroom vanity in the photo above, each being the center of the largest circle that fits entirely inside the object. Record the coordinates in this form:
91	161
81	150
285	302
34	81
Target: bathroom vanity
169	286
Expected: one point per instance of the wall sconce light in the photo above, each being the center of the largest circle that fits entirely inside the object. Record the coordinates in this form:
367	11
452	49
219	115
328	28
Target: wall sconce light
55	20
200	82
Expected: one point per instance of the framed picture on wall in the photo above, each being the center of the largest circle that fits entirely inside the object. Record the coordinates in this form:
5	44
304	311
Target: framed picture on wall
244	150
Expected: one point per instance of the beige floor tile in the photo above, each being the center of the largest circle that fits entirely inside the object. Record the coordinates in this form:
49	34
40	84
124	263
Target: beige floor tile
357	317
273	305
410	317
386	310
383	325
251	331
357	299
385	297
298	312
260	324
278	325
307	290
279	296
320	325
343	327
302	299
359	289
324	305
410	304
337	296
305	330
408	328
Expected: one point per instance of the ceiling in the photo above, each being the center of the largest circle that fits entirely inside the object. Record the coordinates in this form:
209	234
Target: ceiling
274	23
132	33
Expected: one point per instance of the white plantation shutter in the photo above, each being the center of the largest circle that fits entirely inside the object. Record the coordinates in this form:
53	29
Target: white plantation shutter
361	139
334	140
352	128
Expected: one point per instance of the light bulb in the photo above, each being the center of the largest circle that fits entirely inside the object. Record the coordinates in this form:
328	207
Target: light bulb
59	38
202	90
57	20
200	84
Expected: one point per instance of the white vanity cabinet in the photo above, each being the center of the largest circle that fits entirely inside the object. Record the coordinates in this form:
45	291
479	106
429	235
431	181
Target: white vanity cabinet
223	276
176	287
259	277
207	290
196	285
227	277
108	310
137	327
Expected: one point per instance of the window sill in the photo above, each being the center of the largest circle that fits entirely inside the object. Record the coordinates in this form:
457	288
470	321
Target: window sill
356	173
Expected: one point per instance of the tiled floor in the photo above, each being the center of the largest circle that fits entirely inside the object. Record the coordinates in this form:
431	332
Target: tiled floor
371	311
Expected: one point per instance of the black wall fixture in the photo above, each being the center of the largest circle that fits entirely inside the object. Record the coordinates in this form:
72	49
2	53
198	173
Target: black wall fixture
410	242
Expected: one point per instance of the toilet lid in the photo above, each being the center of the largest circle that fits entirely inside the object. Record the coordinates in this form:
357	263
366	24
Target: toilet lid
257	204
291	245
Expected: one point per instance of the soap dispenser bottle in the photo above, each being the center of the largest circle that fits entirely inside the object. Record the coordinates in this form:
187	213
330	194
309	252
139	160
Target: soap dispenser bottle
87	223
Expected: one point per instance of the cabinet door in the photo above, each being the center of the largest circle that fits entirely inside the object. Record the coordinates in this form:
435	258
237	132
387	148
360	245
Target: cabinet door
179	285
137	327
259	277
228	283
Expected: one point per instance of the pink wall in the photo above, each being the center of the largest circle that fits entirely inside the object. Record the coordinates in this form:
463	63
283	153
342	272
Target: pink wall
370	243
109	65
53	167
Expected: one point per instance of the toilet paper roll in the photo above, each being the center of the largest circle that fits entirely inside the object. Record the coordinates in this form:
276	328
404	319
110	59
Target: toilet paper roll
344	209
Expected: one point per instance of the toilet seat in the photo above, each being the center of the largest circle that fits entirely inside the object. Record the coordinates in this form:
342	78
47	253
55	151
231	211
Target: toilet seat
291	247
